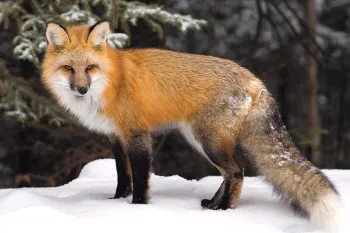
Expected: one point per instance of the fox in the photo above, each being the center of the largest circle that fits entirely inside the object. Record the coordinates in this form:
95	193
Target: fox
216	104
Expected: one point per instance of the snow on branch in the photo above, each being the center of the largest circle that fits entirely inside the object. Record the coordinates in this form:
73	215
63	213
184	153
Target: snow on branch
78	15
28	44
136	11
118	40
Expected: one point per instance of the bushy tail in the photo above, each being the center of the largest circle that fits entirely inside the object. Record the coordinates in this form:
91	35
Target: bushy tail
293	177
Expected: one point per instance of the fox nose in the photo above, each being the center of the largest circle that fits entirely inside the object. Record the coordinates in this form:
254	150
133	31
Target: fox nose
82	90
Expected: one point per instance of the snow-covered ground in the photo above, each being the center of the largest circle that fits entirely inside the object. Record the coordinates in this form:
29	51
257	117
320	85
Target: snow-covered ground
83	205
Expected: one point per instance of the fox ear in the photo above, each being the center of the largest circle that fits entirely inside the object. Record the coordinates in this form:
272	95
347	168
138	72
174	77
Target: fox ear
98	33
56	34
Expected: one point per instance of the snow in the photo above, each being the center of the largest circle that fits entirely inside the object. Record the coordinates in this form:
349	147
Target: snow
118	40
143	11
42	44
83	205
75	14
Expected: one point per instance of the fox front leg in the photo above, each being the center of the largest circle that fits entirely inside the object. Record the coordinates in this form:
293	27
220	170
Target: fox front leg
123	167
138	149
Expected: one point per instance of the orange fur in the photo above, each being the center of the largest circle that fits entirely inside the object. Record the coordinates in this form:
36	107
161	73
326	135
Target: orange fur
148	98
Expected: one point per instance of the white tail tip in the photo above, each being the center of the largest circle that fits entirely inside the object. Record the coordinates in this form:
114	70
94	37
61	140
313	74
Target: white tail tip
326	213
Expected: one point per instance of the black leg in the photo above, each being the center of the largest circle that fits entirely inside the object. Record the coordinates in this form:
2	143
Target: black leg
228	194
232	191
123	169
215	201
138	150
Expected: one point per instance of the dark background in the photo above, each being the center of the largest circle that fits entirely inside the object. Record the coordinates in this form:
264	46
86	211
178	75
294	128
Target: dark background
300	49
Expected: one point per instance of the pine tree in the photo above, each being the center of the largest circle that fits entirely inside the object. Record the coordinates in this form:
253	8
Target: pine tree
30	18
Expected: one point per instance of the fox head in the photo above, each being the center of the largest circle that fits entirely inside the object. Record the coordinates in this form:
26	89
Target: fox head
75	61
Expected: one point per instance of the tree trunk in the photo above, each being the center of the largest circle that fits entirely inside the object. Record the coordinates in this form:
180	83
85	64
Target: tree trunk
311	81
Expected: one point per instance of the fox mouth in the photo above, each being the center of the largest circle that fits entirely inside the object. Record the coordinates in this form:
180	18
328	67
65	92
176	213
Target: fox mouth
78	96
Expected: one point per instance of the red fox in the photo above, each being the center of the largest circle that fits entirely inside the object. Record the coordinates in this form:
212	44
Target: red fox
215	103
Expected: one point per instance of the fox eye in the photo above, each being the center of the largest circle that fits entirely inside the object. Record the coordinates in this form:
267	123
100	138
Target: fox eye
89	67
68	67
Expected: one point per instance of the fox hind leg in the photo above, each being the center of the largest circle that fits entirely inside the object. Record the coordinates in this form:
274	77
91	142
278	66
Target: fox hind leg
228	194
215	201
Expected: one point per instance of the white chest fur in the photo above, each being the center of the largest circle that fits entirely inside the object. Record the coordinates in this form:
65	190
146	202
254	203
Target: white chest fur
87	112
85	108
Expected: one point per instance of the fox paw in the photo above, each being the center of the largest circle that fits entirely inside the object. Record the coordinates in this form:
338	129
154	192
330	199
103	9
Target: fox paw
215	205
209	204
139	200
122	192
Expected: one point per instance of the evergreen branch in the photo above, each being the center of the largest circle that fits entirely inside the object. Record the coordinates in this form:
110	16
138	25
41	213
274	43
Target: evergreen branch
36	7
18	100
135	11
